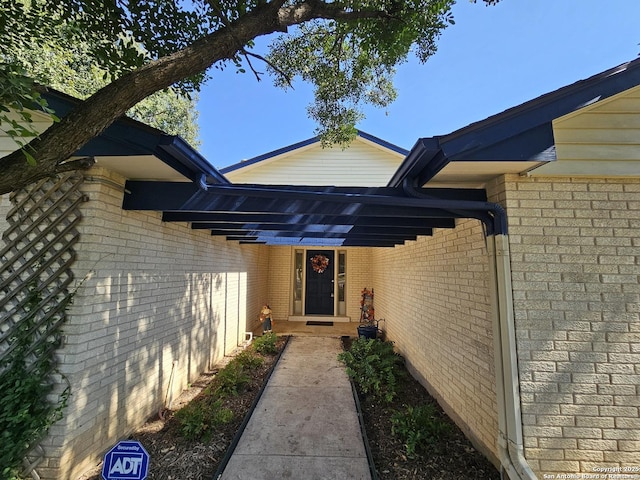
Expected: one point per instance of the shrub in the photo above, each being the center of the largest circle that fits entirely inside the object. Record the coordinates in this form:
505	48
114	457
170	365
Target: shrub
374	367
266	344
249	360
199	418
231	379
419	427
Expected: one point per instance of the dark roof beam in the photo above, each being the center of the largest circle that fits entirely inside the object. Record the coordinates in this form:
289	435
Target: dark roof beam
275	218
333	242
288	234
341	229
176	196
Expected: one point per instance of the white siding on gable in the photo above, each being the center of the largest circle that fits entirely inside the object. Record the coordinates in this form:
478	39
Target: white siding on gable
600	139
40	123
361	164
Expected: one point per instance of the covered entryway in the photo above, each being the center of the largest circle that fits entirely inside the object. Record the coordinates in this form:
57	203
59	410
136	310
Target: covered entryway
317	266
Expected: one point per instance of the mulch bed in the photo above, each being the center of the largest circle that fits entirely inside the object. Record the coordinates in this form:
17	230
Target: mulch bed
451	457
174	458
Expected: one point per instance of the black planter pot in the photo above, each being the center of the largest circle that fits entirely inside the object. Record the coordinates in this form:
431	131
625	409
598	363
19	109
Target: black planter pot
367	331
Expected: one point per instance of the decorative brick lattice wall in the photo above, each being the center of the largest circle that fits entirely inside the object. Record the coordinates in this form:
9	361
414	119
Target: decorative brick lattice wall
36	262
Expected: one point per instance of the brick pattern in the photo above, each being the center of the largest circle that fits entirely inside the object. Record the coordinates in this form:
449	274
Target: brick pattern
5	206
434	296
161	304
280	282
575	255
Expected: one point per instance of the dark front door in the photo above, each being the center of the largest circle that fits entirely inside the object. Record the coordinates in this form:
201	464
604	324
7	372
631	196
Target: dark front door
319	291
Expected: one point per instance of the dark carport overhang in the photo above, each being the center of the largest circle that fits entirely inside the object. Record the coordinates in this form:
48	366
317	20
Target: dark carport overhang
515	141
167	175
311	215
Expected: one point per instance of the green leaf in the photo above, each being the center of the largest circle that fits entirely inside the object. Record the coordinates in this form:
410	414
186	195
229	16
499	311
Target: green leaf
30	158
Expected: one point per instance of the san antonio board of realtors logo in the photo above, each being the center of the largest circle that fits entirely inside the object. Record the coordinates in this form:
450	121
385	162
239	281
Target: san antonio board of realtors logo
127	460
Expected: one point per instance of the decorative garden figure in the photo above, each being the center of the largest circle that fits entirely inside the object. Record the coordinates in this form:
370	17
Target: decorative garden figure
265	318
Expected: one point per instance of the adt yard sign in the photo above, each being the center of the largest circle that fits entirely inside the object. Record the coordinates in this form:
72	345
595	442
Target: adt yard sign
128	460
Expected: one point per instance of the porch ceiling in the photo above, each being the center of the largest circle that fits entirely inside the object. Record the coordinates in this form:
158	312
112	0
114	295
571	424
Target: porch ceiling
304	215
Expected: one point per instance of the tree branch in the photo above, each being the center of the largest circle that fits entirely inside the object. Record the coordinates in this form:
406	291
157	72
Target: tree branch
312	9
265	60
92	116
77	164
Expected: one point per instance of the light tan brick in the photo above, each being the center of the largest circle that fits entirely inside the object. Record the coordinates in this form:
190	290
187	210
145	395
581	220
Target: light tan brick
558	443
596	444
598	422
621	434
584	455
544	454
559	466
622	422
629	446
625	458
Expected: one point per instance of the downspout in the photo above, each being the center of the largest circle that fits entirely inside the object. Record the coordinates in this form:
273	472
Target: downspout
510	441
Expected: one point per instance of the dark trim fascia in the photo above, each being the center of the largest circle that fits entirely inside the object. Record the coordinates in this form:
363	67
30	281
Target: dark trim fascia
421	155
176	152
307	142
546	107
383	143
126	137
266	156
521	133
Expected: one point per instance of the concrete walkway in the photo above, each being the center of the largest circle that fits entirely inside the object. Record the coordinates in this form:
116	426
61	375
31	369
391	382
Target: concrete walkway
305	426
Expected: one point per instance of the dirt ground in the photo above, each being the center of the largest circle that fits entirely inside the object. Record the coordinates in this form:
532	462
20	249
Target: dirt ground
174	458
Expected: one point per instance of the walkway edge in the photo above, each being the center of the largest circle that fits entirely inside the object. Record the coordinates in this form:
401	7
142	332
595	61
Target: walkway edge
363	430
247	417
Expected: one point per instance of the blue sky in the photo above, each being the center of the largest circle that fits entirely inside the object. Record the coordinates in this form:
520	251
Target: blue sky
492	59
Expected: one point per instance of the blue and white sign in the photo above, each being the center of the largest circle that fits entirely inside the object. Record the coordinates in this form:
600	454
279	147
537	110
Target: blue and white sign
128	460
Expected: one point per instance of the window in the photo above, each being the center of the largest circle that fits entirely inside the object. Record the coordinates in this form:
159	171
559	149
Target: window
297	282
342	282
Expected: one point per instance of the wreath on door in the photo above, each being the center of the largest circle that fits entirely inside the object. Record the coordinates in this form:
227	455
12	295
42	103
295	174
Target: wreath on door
319	263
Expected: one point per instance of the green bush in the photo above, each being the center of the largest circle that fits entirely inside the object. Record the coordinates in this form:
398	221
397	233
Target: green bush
266	344
249	360
374	367
419	427
199	418
231	379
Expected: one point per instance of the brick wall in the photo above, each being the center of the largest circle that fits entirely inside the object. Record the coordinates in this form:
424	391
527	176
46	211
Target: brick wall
280	282
575	255
434	296
5	206
359	268
161	303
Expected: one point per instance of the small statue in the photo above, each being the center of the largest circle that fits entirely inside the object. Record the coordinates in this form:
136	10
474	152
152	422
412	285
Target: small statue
265	318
